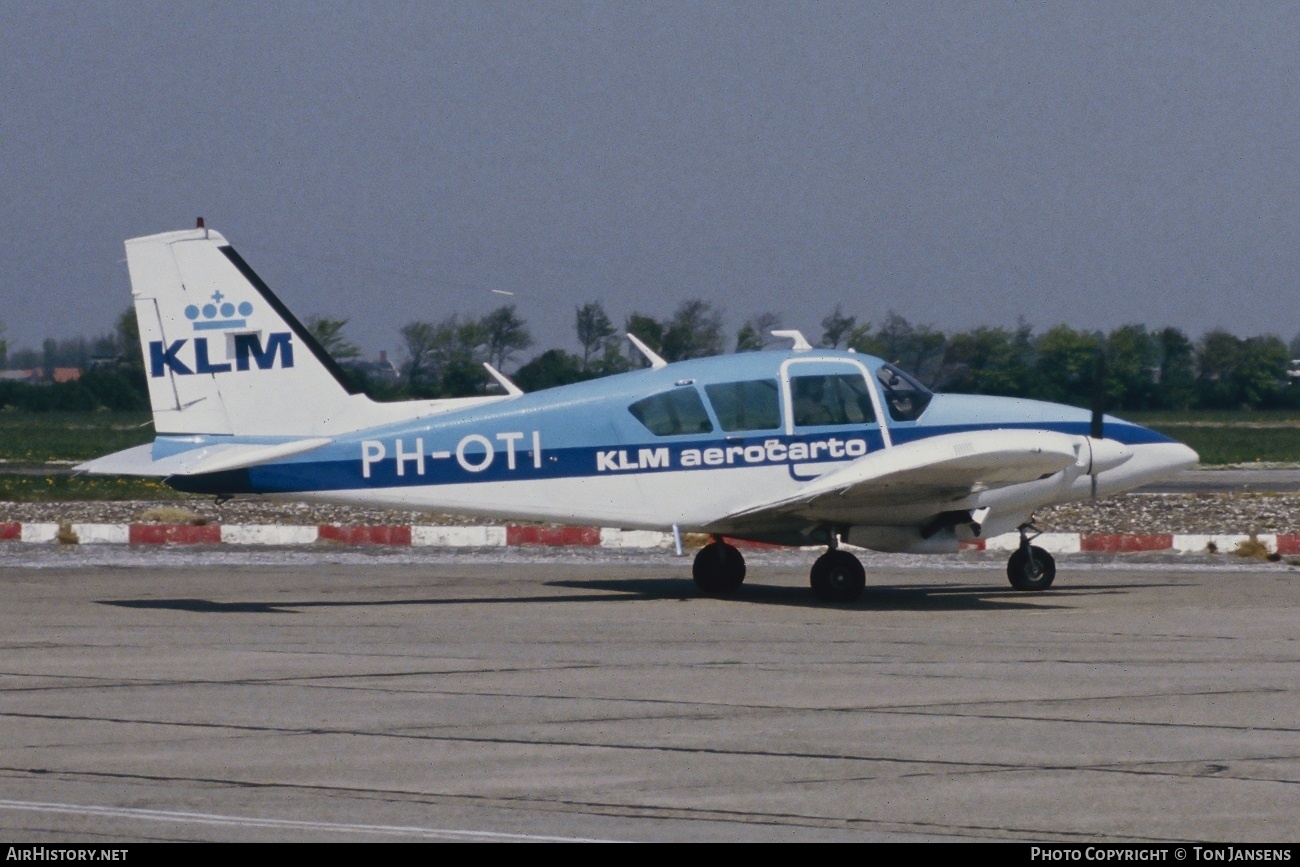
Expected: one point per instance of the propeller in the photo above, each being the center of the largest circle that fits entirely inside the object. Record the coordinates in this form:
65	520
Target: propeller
1097	430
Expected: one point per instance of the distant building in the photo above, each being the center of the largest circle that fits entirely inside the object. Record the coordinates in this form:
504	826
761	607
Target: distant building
380	370
41	375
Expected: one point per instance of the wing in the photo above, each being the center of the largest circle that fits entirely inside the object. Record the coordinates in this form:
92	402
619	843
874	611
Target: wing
938	469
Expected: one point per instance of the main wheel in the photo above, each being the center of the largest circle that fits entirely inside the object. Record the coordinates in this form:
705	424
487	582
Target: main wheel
837	576
1031	570
719	569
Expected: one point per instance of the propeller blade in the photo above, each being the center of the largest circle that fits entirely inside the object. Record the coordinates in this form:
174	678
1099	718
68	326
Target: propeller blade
1097	430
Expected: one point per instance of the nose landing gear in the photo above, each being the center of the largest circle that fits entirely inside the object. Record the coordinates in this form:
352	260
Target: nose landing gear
1030	567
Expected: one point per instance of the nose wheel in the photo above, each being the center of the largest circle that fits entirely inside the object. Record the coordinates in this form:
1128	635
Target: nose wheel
1030	567
719	568
837	576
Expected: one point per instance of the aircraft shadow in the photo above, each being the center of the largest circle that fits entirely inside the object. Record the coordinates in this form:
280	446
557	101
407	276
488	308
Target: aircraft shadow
208	606
878	598
907	597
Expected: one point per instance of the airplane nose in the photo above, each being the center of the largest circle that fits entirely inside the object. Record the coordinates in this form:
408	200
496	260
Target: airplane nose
1159	460
1183	457
1149	462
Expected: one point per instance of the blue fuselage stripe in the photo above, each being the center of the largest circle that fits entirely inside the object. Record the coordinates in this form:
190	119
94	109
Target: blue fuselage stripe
343	471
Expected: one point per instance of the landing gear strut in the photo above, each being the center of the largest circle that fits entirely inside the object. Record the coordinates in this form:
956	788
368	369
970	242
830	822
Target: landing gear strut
837	576
1030	567
719	568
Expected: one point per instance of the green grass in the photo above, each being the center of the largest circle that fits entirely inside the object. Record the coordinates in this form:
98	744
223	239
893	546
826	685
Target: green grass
1155	418
28	438
1237	445
1223	437
33	488
39	438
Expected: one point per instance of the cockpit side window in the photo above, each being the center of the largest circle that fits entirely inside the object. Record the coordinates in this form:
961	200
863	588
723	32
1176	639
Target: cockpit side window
830	399
750	405
672	413
904	396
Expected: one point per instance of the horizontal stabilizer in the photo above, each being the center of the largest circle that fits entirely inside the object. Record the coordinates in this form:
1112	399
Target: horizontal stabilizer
139	461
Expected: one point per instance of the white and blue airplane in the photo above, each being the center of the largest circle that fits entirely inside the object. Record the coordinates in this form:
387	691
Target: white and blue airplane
799	447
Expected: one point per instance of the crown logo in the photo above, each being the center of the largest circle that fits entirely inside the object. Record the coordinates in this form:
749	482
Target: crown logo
222	308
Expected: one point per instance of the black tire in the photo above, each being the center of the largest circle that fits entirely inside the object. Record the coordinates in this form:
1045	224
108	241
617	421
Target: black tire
719	569
1032	570
837	576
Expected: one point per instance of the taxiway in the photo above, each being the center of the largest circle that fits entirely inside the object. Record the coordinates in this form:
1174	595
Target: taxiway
295	696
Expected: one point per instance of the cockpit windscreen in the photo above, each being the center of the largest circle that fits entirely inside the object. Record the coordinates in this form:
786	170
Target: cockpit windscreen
904	396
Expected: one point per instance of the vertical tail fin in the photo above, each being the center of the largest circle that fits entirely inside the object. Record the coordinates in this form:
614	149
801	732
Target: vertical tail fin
222	354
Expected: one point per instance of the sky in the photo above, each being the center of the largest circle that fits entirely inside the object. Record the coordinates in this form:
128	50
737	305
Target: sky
960	164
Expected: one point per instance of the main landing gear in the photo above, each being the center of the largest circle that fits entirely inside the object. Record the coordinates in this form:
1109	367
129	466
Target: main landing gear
837	576
719	568
1030	567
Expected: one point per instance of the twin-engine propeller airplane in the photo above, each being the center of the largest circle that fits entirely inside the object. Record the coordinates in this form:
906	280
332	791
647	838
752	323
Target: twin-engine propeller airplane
797	447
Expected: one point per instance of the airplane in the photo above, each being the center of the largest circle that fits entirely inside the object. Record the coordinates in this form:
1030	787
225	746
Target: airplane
800	446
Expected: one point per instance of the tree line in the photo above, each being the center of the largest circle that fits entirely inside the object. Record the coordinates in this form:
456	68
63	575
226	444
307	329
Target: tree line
1128	368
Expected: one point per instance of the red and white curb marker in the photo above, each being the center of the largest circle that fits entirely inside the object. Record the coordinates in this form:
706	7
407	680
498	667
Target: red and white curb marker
513	535
1125	543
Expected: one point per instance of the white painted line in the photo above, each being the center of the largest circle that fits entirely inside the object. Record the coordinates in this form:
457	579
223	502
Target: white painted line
102	534
1052	543
424	535
1198	543
1002	542
615	538
40	532
293	824
1058	543
269	534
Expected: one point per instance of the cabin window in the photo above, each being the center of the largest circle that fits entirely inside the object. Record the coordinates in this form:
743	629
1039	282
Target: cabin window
672	413
830	399
904	396
750	405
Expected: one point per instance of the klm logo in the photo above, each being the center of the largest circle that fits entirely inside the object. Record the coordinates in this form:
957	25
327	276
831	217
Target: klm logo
220	314
249	352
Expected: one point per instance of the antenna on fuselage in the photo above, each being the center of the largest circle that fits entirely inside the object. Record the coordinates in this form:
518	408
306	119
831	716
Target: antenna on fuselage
801	343
653	357
511	389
